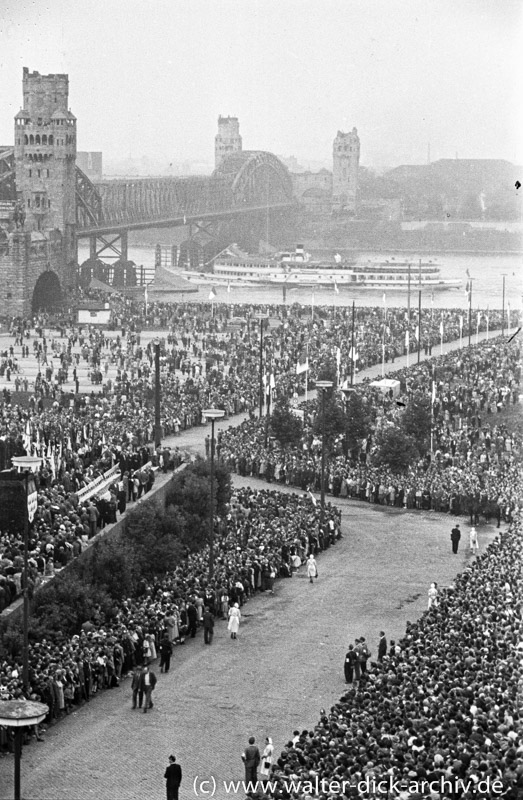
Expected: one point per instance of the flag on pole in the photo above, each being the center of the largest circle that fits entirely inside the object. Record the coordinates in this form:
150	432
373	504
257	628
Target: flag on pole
384	299
353	354
228	287
407	339
312	498
212	294
272	382
184	218
336	288
461	325
338	356
302	366
416	334
433	394
441	329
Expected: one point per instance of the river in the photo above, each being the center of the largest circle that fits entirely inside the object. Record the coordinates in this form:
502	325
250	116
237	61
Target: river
486	273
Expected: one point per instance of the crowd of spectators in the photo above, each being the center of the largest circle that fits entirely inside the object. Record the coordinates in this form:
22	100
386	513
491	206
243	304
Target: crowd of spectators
476	463
265	535
440	716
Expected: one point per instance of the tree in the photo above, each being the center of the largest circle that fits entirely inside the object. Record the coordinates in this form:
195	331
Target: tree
335	420
154	539
357	421
394	449
416	421
286	427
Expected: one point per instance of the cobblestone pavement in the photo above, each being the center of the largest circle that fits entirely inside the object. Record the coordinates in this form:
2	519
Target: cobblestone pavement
286	664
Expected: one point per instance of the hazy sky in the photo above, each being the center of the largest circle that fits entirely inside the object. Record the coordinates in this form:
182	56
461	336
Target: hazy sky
150	77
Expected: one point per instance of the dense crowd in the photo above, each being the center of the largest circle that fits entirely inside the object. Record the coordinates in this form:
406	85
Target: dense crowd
207	360
265	535
440	715
476	464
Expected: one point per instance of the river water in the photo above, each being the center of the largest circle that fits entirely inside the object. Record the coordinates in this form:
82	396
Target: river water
486	273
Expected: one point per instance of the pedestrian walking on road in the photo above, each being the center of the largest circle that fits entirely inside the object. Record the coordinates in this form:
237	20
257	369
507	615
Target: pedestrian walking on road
166	651
473	540
251	760
351	660
266	760
173	778
135	686
433	595
147	684
312	569
382	647
455	536
208	626
234	620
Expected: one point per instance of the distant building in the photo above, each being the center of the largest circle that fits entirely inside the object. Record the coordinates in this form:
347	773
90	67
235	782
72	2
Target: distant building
227	140
346	162
336	191
90	163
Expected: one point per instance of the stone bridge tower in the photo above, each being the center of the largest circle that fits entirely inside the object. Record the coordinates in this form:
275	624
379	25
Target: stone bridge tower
227	140
45	177
346	162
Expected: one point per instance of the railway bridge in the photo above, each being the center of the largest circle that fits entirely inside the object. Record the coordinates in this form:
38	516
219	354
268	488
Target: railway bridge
47	204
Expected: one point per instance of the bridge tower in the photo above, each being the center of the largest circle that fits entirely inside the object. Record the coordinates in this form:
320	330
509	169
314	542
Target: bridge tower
45	178
227	140
346	161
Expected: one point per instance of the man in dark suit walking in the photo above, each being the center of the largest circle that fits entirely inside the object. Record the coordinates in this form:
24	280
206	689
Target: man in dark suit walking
173	778
455	536
147	684
208	626
251	758
382	647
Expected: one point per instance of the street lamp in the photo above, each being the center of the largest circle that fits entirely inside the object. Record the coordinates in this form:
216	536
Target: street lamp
27	465
503	306
212	414
323	385
261	317
19	714
157	422
268	390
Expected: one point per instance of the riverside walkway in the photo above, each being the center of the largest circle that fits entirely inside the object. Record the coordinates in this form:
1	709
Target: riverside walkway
286	664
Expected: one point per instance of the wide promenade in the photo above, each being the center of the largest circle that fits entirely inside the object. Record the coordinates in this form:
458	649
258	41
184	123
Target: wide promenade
286	664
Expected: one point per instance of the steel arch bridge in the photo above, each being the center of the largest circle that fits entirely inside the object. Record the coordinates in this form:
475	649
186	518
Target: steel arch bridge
244	182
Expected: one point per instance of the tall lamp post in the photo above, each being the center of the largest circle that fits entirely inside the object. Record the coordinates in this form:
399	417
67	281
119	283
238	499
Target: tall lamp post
157	421
212	414
503	307
323	385
19	714
27	465
261	317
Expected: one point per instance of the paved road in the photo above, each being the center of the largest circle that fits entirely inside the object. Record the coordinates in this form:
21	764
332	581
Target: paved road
285	666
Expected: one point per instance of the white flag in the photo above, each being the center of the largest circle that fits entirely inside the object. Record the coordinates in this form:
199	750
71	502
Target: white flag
312	498
433	392
407	339
212	294
338	356
336	288
302	366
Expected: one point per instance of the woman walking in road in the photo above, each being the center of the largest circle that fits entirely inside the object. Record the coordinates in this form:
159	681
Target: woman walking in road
266	760
234	620
312	570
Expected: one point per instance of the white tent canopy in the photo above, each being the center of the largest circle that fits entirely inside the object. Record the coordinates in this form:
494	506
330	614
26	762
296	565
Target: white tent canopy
386	384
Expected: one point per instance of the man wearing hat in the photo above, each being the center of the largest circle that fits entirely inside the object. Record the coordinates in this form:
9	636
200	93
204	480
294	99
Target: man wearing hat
455	536
173	778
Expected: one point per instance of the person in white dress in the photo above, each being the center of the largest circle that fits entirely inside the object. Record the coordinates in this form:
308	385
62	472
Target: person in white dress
266	759
312	570
433	595
234	620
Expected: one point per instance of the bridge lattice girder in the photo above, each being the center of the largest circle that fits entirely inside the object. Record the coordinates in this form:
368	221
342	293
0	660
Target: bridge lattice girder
246	179
7	176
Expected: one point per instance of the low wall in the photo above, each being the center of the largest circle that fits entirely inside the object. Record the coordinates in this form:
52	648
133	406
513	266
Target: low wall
157	494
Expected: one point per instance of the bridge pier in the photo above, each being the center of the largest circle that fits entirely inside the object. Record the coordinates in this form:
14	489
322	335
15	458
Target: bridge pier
112	246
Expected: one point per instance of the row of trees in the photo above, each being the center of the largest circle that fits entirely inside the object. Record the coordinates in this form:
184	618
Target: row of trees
156	537
352	423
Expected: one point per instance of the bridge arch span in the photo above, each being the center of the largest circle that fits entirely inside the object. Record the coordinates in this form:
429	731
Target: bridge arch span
255	177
